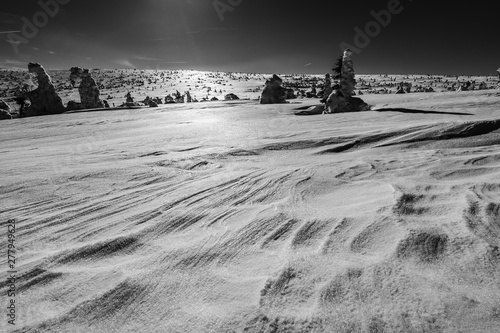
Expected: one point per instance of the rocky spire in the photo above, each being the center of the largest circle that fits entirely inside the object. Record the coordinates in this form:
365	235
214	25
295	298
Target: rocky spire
347	81
88	89
341	99
44	99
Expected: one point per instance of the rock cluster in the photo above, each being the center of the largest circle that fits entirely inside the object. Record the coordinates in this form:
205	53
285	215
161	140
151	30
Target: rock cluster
273	92
88	89
44	100
341	99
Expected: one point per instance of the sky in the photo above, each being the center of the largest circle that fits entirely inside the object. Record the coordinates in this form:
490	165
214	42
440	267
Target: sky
264	36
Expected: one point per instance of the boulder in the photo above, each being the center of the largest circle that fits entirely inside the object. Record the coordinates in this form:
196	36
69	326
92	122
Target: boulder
44	100
273	92
72	106
231	97
88	89
337	103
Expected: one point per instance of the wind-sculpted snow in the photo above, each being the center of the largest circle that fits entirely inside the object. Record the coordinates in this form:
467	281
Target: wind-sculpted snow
245	218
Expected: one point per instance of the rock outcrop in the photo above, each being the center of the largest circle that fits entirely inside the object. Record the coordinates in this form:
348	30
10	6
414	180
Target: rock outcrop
5	115
88	89
273	92
341	99
44	100
337	103
4	111
4	106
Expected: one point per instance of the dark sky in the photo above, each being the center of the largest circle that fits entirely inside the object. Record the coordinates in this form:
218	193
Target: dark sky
281	36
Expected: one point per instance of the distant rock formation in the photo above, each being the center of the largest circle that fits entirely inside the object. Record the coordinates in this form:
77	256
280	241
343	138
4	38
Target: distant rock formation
498	71
129	99
169	99
88	89
189	99
150	102
404	87
341	99
313	93
178	97
129	102
44	100
400	90
231	97
483	86
273	92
